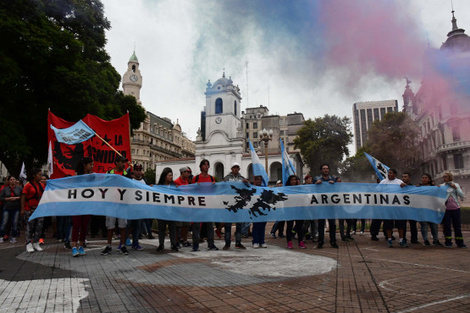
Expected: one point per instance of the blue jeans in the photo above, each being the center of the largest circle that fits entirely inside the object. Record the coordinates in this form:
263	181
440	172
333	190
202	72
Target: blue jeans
424	230
228	233
245	228
136	227
13	216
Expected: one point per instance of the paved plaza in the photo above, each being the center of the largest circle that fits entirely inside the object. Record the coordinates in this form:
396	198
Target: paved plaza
360	276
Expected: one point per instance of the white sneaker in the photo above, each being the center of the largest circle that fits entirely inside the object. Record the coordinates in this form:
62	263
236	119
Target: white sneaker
255	245
1	240
13	240
362	233
263	245
37	247
29	247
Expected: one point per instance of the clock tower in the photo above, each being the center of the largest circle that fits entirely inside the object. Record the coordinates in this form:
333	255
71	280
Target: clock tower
132	79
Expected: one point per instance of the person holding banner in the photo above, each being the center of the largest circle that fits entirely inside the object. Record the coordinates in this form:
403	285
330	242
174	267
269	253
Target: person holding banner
452	214
120	163
325	177
80	222
184	179
204	177
390	224
166	179
294	180
32	193
426	180
259	228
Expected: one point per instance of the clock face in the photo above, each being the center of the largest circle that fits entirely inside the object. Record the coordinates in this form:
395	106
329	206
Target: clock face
218	120
134	78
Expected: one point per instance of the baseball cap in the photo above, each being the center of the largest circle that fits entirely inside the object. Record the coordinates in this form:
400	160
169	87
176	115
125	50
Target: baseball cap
120	158
235	164
138	167
185	169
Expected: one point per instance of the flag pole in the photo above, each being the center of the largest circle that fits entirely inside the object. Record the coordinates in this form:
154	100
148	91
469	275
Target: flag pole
96	134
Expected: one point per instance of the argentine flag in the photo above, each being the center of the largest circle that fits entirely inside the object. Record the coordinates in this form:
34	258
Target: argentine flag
287	166
381	170
258	169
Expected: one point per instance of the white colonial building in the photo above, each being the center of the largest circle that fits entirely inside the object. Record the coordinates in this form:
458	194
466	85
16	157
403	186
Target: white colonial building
221	139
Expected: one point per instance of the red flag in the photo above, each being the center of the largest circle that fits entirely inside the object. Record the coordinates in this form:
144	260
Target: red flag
66	157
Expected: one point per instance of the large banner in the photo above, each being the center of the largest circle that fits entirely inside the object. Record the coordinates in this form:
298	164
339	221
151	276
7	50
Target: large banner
118	196
66	157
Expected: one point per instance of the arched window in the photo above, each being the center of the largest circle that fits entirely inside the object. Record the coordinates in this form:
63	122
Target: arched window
235	107
219	106
133	68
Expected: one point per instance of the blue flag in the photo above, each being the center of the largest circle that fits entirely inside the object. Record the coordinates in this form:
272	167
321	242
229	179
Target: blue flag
381	170
258	168
287	166
74	134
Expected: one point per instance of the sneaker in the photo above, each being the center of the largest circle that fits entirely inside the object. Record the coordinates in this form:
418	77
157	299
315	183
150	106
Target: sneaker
195	249
349	237
374	238
29	247
150	236
390	243
75	252
281	236
124	250
213	248
1	240
344	238
403	244
427	243
320	246
448	244
353	232
462	245
81	251
67	245
289	245
226	247
302	245
13	240
437	243
137	247
218	233
240	246
362	232
106	250
128	242
255	245
333	244
174	248
273	235
186	244
41	241
263	245
37	247
161	247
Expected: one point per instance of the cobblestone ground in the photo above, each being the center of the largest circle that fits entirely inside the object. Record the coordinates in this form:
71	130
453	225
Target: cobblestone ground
360	276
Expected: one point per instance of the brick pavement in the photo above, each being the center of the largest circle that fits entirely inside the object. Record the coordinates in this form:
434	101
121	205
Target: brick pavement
360	276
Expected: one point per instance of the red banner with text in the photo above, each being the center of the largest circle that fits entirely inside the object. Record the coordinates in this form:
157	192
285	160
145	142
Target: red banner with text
66	157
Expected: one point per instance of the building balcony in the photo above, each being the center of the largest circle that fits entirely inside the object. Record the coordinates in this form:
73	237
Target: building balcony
456	145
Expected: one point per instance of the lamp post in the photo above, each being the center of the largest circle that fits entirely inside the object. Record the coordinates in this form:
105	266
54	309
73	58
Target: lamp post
265	136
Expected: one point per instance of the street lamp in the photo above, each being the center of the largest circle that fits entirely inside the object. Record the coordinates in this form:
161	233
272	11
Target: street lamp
265	136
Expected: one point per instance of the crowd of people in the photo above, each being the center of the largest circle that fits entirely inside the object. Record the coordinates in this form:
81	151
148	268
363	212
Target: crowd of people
19	202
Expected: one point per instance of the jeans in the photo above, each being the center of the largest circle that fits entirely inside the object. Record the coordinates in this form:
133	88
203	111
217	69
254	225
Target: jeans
63	227
348	227
363	224
311	227
13	216
279	227
424	231
258	231
136	226
171	231
245	228
228	233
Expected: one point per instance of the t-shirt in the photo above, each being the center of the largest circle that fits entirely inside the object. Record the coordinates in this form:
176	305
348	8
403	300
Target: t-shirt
180	181
200	179
140	181
387	181
33	192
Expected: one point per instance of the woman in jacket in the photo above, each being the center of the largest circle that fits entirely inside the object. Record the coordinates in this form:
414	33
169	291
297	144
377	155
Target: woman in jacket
452	214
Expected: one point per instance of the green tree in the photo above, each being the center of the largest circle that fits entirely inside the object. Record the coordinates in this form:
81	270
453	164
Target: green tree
357	168
53	57
324	140
149	176
393	141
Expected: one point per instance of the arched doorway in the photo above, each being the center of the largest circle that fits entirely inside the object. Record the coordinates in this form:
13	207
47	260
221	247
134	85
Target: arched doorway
219	171
275	172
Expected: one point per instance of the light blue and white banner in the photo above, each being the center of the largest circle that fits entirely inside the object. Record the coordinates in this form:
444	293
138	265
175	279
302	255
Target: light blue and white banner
118	196
258	168
287	166
381	170
78	132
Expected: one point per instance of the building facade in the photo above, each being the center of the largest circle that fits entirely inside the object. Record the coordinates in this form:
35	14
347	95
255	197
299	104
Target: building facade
444	117
366	113
222	139
157	138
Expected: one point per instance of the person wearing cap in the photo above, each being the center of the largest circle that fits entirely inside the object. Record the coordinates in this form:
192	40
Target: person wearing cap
120	169
183	179
234	175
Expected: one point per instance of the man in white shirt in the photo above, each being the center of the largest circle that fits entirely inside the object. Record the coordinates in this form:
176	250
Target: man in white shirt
399	224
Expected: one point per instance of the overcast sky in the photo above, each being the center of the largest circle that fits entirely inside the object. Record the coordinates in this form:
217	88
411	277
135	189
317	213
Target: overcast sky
315	57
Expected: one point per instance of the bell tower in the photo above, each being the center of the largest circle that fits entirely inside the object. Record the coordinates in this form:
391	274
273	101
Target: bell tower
132	79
